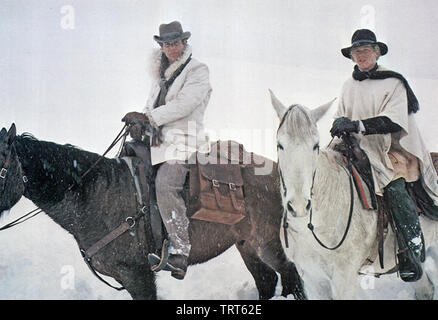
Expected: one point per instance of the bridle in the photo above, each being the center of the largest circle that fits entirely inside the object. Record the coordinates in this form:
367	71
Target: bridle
4	169
310	225
3	175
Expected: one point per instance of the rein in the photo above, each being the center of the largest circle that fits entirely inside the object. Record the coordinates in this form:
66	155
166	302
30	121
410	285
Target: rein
350	215
310	225
38	210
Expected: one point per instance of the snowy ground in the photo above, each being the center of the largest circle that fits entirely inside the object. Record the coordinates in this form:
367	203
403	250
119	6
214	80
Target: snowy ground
43	262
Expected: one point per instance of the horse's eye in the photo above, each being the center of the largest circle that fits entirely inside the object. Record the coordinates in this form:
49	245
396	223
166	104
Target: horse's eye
316	147
279	146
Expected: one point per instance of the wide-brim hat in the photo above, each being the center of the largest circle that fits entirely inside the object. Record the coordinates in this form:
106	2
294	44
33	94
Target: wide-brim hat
363	37
171	32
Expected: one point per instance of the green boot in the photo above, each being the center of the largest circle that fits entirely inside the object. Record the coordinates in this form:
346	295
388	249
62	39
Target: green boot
408	230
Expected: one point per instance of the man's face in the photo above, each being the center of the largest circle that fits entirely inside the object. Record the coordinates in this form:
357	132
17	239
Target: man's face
173	50
365	57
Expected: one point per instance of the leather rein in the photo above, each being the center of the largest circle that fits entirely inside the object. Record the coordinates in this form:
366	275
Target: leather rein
350	213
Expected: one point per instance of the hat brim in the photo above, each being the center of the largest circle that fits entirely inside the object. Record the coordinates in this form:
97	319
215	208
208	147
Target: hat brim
173	38
346	52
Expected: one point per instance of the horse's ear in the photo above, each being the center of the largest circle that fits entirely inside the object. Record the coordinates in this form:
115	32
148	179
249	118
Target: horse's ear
12	133
319	112
278	106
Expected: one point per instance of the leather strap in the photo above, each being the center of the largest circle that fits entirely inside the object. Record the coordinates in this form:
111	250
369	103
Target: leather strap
234	200
217	196
125	226
382	226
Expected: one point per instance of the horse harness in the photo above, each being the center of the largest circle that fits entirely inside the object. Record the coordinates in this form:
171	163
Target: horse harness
126	225
4	169
310	225
87	254
355	161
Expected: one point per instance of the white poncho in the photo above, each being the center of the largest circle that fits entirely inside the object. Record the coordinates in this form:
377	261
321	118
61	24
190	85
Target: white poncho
402	154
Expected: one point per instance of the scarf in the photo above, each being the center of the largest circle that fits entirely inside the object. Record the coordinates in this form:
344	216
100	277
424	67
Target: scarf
373	74
164	87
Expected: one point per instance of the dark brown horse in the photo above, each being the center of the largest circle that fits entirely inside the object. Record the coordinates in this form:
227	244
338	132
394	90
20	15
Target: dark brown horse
103	199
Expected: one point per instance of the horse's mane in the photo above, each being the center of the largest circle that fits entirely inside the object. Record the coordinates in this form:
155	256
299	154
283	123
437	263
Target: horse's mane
57	167
299	122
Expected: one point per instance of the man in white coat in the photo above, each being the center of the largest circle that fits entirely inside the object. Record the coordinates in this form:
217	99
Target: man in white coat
175	109
377	106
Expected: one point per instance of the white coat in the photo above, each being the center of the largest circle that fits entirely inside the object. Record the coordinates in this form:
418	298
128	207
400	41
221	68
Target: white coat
182	115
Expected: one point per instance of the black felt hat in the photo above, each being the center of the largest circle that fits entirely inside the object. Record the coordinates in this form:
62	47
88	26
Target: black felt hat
363	37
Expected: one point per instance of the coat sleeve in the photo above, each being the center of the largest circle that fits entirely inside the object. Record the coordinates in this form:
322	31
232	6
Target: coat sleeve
193	93
395	106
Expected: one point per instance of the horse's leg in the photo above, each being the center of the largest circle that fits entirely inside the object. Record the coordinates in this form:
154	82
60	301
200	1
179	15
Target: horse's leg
264	276
344	282
139	281
425	287
273	255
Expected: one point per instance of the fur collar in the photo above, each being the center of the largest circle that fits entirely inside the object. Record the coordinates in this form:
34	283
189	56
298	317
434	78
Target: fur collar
156	62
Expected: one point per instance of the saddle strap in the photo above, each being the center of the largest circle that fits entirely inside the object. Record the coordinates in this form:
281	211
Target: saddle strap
236	205
121	229
382	228
125	226
90	252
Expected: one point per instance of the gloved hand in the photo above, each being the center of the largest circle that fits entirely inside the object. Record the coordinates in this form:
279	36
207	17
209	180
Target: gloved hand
132	118
136	132
344	125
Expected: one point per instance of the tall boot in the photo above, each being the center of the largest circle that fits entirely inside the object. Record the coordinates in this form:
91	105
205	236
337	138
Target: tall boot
408	230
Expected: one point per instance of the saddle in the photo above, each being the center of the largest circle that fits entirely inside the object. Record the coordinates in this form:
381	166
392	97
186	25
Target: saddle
214	189
360	169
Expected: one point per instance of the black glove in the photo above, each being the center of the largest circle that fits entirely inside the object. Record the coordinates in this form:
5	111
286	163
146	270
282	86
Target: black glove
344	125
136	132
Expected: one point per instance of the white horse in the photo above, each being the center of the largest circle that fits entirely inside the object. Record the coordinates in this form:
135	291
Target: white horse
316	182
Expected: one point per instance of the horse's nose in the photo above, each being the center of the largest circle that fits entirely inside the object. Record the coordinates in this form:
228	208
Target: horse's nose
299	209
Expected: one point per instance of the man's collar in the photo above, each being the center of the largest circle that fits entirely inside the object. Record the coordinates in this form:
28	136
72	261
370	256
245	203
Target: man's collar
179	62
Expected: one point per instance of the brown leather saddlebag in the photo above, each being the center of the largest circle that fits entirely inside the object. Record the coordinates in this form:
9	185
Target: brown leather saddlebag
216	193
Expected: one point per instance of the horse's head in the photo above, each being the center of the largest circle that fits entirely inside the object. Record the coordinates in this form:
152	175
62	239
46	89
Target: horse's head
11	175
298	149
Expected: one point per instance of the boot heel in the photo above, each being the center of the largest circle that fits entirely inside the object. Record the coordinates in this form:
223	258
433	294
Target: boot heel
410	268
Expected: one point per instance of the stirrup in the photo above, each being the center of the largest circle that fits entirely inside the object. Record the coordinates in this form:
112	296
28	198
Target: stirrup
159	263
